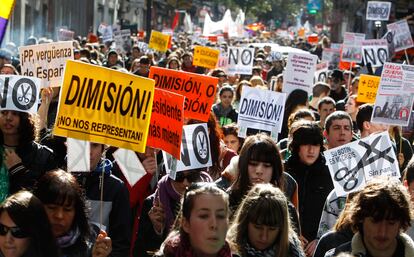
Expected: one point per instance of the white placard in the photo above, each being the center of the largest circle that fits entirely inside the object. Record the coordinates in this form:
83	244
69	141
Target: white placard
353	164
262	110
401	35
375	51
352	47
378	11
274	56
65	35
240	60
107	32
19	93
130	165
333	56
143	47
321	72
122	40
195	150
222	61
46	61
299	72
78	158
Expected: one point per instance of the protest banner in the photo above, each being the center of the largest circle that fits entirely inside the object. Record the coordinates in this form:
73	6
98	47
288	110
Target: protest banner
106	31
166	122
205	57
240	60
65	35
19	93
195	150
199	90
351	49
395	95
333	56
78	157
106	106
143	47
46	61
401	35
321	73
122	40
375	52
159	41
378	11
262	110
367	88
130	165
299	72
354	164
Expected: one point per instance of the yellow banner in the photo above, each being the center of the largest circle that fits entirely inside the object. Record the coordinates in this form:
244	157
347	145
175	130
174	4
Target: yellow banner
104	106
367	88
205	57
159	41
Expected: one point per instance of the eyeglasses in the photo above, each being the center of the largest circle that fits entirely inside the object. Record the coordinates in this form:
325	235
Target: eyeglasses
191	177
16	232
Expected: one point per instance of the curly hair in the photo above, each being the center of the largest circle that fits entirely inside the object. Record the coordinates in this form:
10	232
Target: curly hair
28	128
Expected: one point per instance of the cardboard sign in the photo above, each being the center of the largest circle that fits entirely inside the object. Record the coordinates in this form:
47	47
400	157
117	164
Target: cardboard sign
199	90
351	50
123	41
206	57
240	60
78	157
394	100
195	150
367	88
262	110
46	61
159	41
106	32
401	35
378	11
104	105
65	35
299	72
166	122
19	93
130	165
375	51
321	72
355	163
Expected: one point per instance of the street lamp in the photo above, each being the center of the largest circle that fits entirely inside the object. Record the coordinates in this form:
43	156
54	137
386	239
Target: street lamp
378	27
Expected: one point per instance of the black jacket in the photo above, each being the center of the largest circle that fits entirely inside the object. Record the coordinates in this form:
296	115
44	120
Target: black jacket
36	160
314	183
83	246
331	240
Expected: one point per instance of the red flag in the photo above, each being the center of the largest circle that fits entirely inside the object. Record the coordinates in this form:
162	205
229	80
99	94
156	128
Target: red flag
175	21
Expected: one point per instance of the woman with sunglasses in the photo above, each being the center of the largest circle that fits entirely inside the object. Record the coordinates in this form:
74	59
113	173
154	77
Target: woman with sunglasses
159	210
201	227
262	225
24	227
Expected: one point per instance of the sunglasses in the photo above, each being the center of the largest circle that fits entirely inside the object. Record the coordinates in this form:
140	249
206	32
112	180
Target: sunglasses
15	231
191	177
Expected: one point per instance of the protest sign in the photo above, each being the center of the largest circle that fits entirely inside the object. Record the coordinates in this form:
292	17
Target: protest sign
106	31
159	41
195	150
274	56
375	52
199	90
240	60
130	165
354	164
106	106
143	47
333	56
321	72
123	41
395	95
378	11
352	50
223	61
205	57
262	110
78	155
367	88
19	93
46	61
401	35
65	35
389	36
299	72
166	122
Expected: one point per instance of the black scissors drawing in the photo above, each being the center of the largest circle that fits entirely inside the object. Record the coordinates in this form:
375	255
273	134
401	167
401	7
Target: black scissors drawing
23	98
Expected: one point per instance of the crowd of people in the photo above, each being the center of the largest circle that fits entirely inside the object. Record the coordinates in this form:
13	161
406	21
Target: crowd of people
260	197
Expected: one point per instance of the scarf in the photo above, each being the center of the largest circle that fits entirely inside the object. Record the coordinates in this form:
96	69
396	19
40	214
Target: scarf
166	194
251	251
182	248
68	239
